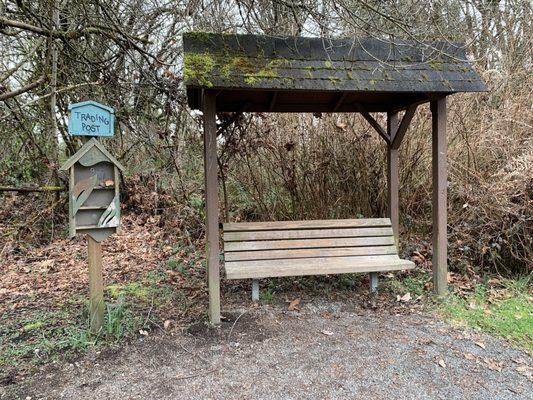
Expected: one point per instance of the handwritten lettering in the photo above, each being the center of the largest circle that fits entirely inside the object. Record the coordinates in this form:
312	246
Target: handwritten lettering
91	123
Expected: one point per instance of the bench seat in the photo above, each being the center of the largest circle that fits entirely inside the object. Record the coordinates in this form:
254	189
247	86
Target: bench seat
321	247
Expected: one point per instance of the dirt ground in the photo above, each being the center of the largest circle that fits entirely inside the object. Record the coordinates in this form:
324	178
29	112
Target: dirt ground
325	350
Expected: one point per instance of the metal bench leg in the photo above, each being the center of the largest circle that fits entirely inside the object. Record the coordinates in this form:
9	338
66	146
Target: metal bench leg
255	290
373	282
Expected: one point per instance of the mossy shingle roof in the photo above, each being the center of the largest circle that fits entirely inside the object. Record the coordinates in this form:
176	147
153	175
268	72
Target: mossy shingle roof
265	63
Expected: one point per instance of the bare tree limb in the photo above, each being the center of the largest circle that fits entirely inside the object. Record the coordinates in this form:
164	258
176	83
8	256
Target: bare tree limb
23	89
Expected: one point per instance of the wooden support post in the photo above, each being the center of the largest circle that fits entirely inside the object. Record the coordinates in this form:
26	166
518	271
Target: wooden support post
440	179
393	176
96	285
211	203
255	290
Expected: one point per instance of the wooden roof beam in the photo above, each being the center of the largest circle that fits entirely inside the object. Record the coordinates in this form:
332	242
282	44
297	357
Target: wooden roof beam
338	102
396	140
273	101
416	101
370	119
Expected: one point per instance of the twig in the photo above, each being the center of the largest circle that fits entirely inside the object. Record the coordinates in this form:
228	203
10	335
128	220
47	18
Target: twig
233	326
149	312
30	189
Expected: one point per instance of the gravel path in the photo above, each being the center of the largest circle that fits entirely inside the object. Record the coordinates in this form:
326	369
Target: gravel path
325	351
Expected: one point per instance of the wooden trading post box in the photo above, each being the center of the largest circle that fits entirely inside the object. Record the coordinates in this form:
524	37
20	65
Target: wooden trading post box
94	198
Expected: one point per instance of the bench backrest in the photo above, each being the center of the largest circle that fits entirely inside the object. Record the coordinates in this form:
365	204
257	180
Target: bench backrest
247	241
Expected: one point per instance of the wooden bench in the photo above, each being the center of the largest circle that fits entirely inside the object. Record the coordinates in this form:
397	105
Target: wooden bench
294	248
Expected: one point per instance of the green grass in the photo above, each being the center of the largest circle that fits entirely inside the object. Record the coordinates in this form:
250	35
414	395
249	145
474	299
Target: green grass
43	337
503	308
40	336
505	311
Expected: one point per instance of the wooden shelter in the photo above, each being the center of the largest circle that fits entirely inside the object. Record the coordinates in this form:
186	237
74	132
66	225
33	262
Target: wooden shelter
251	73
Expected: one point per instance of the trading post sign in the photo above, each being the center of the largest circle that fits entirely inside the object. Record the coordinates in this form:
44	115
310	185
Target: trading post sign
90	118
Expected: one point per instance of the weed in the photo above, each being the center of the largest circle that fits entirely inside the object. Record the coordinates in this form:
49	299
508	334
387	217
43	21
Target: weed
132	289
120	321
414	283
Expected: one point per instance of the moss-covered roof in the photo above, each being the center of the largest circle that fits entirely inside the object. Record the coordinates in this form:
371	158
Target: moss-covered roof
228	61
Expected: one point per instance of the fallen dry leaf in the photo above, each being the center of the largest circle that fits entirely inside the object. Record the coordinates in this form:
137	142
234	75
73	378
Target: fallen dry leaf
442	363
108	182
293	305
493	365
405	298
341	125
480	344
167	324
469	356
525	371
327	333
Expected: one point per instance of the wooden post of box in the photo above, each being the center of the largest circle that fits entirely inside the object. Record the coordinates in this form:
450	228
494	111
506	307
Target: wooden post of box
94	209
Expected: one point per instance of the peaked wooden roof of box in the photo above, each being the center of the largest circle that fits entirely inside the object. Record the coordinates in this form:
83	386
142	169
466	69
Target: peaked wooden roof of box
232	62
102	155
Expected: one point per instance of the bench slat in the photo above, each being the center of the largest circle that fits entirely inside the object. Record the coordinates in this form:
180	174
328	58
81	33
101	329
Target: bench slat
308	253
306	234
314	266
308	243
310	224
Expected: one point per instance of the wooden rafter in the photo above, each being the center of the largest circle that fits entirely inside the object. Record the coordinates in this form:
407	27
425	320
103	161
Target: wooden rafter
370	119
396	140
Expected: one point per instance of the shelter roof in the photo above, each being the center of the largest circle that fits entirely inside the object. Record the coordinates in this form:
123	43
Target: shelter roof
266	73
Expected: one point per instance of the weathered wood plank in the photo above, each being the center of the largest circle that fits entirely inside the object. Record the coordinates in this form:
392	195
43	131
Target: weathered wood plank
306	234
308	253
314	266
310	224
309	243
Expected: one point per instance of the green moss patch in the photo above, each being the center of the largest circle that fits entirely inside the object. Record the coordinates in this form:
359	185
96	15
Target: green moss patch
199	67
